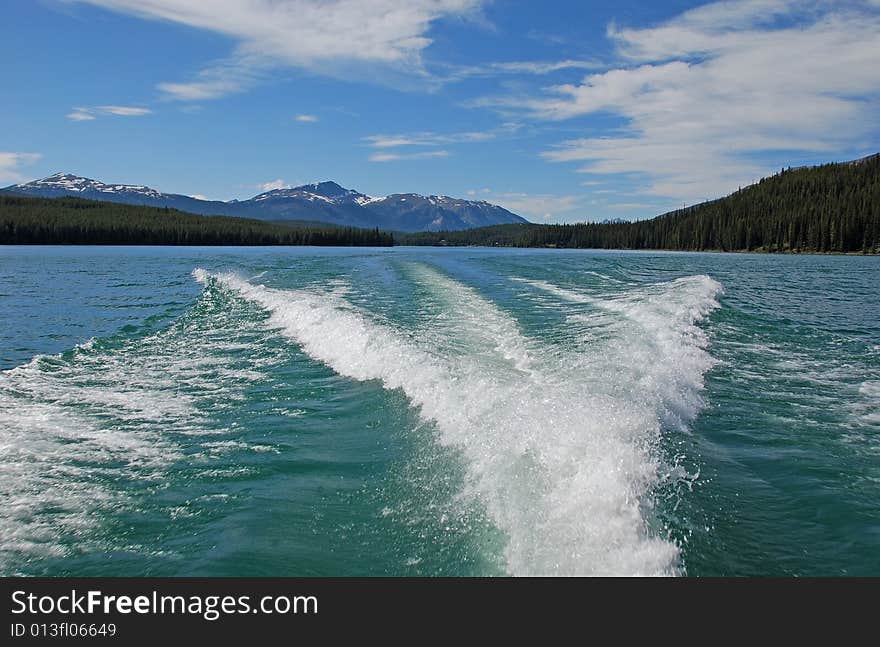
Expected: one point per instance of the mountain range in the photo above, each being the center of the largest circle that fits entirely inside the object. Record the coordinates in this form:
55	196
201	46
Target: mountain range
319	202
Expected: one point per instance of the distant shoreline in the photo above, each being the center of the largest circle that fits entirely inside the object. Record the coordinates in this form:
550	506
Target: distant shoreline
754	252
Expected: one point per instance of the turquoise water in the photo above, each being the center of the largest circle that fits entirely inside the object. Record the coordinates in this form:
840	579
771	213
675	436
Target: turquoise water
413	411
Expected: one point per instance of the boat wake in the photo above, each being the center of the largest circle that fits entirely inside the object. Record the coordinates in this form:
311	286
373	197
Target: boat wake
81	431
560	446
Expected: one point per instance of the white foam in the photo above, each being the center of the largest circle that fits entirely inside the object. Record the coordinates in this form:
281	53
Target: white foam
654	352
73	425
564	464
490	331
870	406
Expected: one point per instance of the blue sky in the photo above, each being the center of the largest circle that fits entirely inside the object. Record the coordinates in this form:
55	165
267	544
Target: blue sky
560	111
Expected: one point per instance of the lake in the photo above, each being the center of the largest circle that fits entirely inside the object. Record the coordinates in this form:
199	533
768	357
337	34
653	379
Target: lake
437	411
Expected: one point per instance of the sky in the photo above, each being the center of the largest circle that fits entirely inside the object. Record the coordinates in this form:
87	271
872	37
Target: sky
562	111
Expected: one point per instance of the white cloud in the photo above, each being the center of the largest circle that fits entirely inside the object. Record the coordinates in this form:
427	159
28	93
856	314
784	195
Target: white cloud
534	206
542	67
394	157
319	35
125	111
274	184
221	78
198	90
698	30
707	95
427	139
11	163
90	114
80	114
306	119
534	68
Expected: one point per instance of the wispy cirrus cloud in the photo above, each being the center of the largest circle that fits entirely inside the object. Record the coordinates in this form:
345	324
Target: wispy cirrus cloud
124	111
92	113
427	139
719	95
542	67
531	68
325	36
395	157
306	119
227	76
12	163
81	114
200	90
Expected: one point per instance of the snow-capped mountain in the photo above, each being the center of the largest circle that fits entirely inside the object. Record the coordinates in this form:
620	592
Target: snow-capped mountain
329	192
62	184
68	184
439	212
320	202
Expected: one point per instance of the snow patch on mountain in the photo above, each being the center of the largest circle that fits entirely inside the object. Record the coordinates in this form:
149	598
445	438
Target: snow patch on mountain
76	184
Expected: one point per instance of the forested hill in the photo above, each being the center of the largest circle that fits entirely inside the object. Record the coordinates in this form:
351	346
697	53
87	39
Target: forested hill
90	222
828	208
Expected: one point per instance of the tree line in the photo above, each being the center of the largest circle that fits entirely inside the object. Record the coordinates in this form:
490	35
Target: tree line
75	221
825	209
